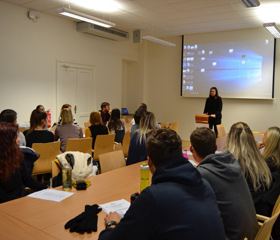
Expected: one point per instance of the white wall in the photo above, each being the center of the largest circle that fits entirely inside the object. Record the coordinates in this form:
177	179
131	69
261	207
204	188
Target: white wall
28	55
162	93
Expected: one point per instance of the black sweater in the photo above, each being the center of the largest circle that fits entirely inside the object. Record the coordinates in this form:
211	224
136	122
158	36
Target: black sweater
214	106
14	187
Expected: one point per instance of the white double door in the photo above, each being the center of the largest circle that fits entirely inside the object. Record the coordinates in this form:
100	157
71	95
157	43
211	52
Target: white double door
75	86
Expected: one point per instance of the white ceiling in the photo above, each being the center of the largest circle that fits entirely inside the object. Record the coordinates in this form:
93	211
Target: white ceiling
164	18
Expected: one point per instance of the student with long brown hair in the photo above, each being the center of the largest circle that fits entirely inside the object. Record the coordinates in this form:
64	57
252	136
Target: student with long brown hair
13	173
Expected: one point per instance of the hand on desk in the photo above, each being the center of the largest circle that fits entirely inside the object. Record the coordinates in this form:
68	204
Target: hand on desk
112	216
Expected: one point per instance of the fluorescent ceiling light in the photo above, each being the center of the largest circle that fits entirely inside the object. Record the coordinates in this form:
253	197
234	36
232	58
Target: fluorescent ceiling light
84	17
160	41
250	3
273	29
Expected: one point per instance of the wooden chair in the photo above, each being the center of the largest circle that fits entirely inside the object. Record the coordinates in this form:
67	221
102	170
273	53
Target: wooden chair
103	144
174	126
112	160
221	130
56	167
79	144
164	125
48	152
118	146
21	129
126	143
264	232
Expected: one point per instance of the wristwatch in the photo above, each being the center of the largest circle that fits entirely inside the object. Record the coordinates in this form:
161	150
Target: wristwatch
109	224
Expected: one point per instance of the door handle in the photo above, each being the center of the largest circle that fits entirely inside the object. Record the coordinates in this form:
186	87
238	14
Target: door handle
75	109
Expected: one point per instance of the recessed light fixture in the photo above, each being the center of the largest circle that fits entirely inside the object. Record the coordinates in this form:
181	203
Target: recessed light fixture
84	17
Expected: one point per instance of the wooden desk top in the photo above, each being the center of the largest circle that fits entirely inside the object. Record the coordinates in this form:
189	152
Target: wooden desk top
49	218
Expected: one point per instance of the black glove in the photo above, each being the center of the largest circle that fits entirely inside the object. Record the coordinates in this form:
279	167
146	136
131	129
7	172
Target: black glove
86	221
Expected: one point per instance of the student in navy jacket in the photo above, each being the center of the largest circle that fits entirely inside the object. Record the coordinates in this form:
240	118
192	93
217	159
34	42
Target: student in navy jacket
178	205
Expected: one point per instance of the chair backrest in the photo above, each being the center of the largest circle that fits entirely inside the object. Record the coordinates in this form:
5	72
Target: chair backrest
276	205
22	129
56	167
126	142
174	126
48	152
103	144
79	144
221	130
164	125
266	228
118	146
112	160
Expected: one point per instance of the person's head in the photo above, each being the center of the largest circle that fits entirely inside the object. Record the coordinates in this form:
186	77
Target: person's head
162	144
37	119
66	116
66	106
105	107
95	118
147	124
10	154
242	145
8	115
271	141
40	108
213	92
143	106
203	142
115	114
140	112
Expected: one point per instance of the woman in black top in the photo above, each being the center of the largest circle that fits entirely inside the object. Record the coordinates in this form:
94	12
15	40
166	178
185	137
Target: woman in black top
13	173
213	108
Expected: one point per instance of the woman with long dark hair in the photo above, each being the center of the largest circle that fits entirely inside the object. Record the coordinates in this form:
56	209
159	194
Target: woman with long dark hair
213	108
37	132
116	126
13	173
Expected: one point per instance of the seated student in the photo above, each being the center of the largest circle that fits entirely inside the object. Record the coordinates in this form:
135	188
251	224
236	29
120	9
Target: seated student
143	107
271	141
13	175
67	129
140	112
116	126
10	116
96	128
137	148
225	176
37	132
54	126
105	112
178	205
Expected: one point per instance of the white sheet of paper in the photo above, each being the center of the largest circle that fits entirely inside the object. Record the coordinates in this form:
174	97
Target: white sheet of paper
51	195
119	206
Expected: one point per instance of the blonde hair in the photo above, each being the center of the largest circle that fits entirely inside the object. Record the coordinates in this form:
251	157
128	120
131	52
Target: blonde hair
95	118
66	116
272	147
242	145
147	124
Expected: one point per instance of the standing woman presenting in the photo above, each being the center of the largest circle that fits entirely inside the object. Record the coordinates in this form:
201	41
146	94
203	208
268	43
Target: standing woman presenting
213	108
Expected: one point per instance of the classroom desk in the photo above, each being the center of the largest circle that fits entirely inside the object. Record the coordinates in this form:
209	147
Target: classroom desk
48	218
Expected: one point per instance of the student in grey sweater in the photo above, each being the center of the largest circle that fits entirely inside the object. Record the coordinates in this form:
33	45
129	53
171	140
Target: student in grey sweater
224	174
